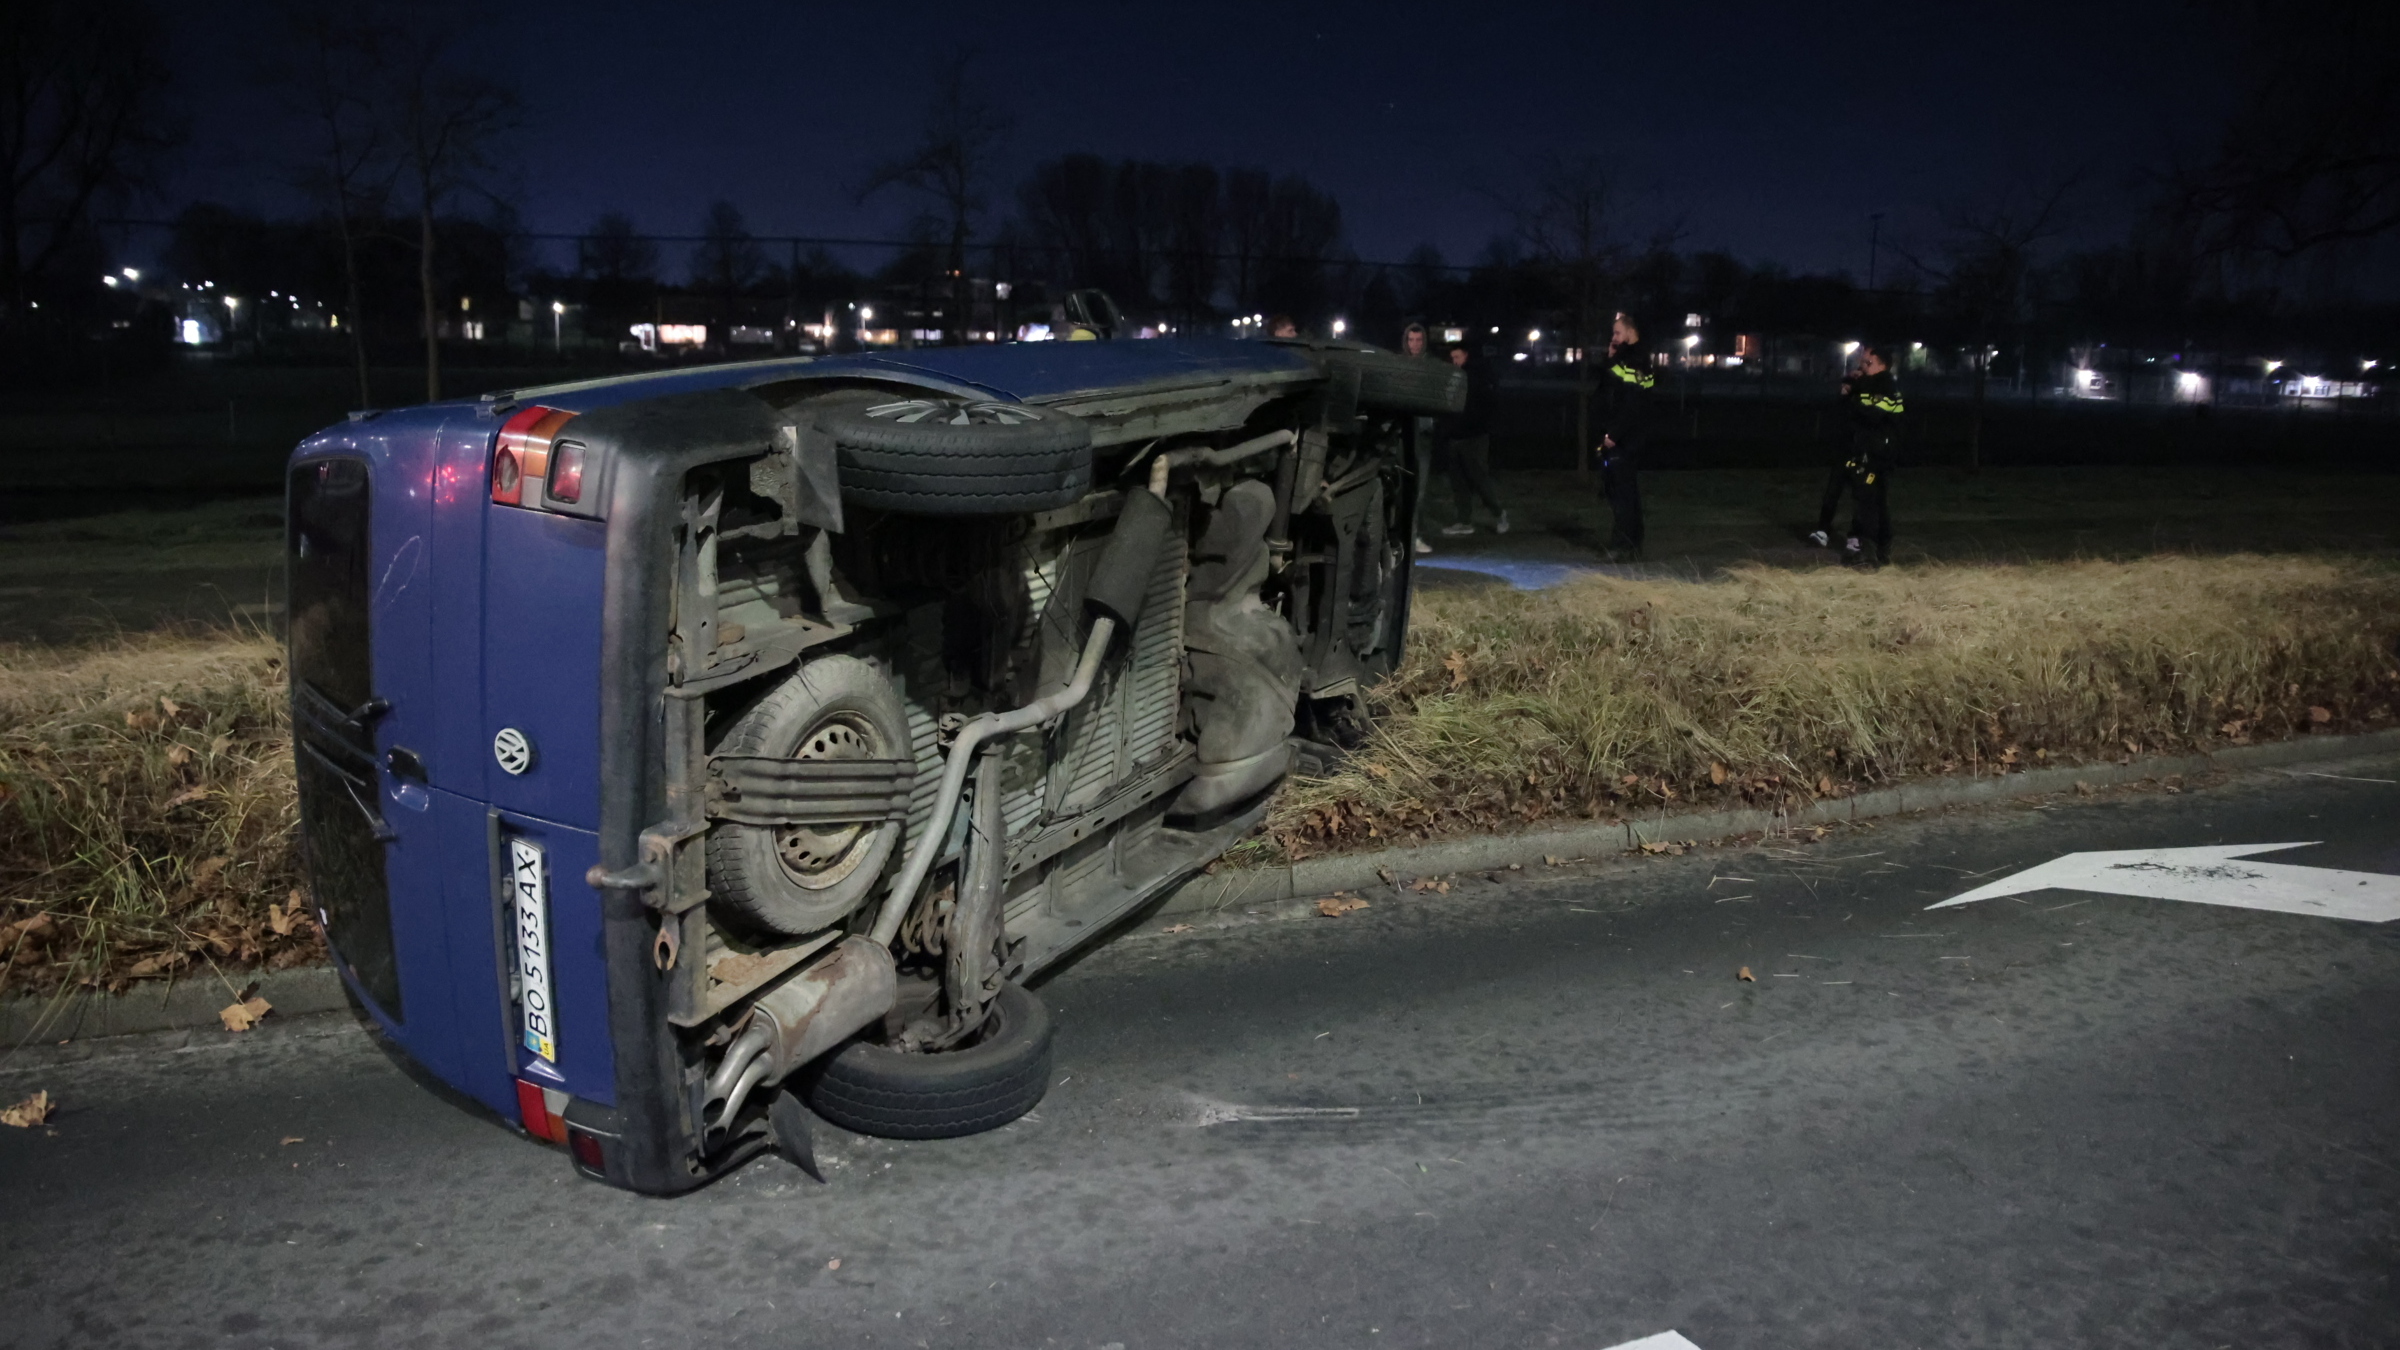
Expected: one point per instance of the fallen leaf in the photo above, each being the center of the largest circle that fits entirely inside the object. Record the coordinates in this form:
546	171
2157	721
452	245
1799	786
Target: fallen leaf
1717	774
2134	747
186	797
1631	780
1177	928
2082	789
208	869
1456	664
168	706
1553	860
158	965
218	746
1379	771
244	1015
834	1264
1334	907
293	1139
34	1110
1825	784
179	754
1746	975
2320	715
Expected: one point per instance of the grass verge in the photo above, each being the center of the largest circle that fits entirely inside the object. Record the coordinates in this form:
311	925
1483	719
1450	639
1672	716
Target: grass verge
147	826
147	821
1607	696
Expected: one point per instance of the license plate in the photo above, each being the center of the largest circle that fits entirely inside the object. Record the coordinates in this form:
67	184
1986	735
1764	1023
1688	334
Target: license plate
529	889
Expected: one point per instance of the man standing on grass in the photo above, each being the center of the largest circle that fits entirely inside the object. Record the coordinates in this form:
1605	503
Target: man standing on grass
1625	420
1467	444
1871	404
1412	344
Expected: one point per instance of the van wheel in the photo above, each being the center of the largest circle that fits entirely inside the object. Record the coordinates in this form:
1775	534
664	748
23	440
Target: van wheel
796	879
893	1094
955	457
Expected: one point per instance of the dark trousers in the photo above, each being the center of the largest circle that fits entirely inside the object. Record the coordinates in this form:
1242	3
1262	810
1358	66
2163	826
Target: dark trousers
1624	493
1470	465
1869	486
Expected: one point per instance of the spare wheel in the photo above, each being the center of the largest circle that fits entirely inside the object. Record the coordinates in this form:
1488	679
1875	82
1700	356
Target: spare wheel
956	457
795	879
896	1094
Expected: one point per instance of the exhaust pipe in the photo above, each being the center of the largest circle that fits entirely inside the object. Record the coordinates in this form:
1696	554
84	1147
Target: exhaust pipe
804	1017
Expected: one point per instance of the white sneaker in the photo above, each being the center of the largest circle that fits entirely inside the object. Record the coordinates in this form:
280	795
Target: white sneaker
1820	539
1461	528
1850	545
1423	547
1502	527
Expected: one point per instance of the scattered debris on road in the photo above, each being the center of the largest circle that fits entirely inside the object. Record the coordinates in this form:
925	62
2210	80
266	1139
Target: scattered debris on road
1746	975
34	1110
1177	928
246	1014
1335	906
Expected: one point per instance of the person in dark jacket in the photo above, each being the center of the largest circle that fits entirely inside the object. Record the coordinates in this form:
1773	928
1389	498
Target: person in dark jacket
1467	447
1871	406
1412	344
1626	383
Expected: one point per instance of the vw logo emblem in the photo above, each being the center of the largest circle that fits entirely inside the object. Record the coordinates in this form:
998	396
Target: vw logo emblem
514	752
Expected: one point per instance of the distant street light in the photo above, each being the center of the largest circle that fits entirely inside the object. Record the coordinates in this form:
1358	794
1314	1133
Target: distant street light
1534	336
133	274
558	310
1339	327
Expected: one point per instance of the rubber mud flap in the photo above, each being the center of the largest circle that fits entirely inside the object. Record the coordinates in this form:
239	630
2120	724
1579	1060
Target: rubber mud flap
891	1094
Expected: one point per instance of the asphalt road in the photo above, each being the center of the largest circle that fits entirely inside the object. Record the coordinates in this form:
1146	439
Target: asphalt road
1540	1111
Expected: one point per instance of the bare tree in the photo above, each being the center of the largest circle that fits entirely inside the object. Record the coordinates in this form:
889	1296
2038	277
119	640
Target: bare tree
727	260
1986	264
947	169
1571	227
448	122
82	113
614	250
2311	155
337	64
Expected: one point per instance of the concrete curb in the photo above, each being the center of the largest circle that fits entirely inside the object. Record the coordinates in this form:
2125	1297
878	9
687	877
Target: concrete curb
194	1003
1357	871
85	1014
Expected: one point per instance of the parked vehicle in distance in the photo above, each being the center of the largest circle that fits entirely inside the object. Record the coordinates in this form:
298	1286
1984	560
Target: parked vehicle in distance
681	749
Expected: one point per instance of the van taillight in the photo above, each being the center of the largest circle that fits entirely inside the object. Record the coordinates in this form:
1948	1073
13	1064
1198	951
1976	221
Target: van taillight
508	480
566	473
523	454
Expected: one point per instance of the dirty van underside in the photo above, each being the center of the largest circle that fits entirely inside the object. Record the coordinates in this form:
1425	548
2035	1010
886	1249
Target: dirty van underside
912	688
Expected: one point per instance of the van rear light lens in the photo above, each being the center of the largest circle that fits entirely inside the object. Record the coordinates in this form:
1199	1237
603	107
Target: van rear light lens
566	473
522	454
508	479
587	1151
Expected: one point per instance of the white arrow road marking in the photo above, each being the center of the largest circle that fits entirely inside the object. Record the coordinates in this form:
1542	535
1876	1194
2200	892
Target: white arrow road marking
2210	876
1665	1340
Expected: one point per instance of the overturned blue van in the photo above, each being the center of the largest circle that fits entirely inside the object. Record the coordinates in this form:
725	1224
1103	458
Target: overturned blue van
687	755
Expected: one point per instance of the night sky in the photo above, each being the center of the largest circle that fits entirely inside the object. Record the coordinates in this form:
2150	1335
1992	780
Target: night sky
1773	131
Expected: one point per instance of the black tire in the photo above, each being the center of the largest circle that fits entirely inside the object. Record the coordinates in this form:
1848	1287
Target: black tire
955	457
871	1089
1398	383
795	879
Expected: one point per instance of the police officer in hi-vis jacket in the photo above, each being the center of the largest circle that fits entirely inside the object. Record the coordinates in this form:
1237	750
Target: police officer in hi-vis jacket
1626	383
1871	404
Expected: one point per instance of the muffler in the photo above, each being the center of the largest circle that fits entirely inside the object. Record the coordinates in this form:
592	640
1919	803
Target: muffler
802	1018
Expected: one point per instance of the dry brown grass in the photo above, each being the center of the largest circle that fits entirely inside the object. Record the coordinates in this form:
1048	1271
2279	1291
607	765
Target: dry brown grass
1772	685
146	811
147	821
